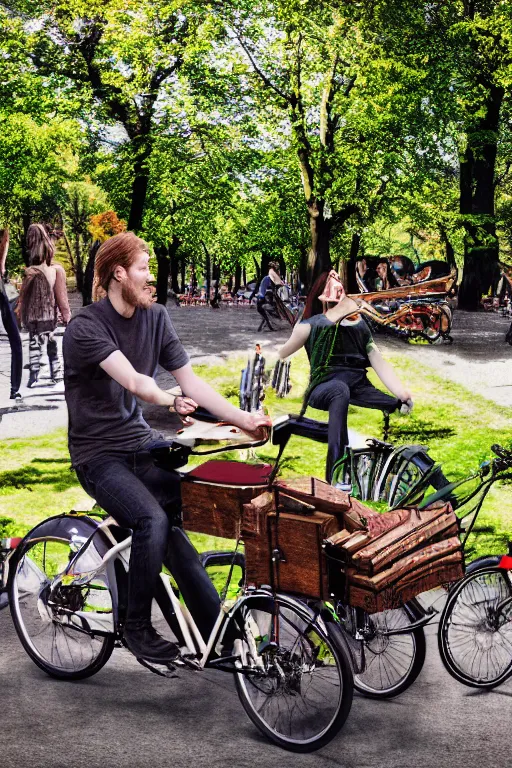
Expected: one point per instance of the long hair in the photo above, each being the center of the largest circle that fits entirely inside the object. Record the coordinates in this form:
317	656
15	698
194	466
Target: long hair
313	306
117	251
40	246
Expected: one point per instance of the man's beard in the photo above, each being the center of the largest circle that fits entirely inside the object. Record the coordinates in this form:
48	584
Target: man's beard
133	298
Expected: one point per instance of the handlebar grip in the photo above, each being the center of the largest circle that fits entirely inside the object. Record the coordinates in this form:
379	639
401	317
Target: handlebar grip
501	452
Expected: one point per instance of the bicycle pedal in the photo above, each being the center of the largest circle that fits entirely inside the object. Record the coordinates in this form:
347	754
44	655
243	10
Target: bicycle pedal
167	669
188	661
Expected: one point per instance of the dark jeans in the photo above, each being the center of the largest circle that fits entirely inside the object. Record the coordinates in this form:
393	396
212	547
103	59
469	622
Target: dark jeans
260	306
140	496
342	389
13	334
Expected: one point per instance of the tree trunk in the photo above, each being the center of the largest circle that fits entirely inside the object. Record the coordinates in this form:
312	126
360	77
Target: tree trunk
162	277
79	270
351	283
165	257
139	186
26	222
448	247
258	268
214	301
238	279
89	274
207	271
303	266
183	274
70	252
477	185
175	268
319	258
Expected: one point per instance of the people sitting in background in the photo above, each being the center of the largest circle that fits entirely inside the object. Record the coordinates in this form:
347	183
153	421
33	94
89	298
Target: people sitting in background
403	269
365	276
385	278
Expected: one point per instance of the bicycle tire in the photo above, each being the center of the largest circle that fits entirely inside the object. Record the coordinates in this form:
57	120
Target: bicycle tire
315	705
470	625
26	596
392	662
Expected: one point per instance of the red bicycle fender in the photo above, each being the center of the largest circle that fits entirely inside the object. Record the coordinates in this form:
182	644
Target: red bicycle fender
506	562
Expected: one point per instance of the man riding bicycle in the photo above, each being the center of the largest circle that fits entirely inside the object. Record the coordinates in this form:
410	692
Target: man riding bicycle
111	352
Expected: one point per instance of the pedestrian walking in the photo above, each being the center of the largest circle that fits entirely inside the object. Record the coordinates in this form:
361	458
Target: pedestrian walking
9	319
43	292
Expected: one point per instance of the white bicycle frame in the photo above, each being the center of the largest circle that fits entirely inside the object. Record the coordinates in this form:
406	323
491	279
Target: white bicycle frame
103	623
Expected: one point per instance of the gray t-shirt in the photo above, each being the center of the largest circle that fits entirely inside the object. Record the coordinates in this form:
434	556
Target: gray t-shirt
104	418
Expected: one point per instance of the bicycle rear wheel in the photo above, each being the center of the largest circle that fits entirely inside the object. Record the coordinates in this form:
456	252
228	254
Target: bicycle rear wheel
297	689
392	662
475	631
43	618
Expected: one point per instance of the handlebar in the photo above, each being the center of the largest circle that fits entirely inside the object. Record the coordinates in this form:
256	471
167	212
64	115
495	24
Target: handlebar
503	458
502	453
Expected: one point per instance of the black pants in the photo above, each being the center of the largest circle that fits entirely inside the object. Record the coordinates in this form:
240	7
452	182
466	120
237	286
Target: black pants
13	334
342	389
260	306
140	496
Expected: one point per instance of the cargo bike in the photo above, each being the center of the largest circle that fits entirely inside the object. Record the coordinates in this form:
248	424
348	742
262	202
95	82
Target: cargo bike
297	643
67	595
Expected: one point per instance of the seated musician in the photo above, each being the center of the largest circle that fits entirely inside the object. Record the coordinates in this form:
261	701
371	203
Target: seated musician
340	349
402	268
364	275
111	352
385	277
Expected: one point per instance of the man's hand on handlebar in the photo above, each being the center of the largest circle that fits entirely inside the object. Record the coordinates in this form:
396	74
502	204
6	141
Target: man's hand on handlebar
184	406
255	424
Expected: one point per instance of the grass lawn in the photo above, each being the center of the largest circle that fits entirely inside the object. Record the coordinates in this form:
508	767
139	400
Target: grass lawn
459	428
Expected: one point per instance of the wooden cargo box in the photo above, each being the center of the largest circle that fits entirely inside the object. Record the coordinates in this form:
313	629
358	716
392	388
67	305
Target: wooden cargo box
214	493
317	492
303	568
433	574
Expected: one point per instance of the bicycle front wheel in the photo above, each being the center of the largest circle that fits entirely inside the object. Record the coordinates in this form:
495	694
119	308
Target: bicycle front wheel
475	631
392	662
43	618
293	681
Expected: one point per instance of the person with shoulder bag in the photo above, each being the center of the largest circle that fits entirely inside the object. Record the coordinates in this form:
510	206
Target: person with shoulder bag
43	291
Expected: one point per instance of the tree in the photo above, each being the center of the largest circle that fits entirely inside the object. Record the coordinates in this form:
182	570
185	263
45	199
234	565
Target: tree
120	56
468	46
354	119
83	200
35	162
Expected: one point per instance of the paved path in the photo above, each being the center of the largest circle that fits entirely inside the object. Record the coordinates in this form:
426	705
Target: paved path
125	716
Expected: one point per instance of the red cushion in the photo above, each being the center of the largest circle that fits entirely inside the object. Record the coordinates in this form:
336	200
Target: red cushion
231	473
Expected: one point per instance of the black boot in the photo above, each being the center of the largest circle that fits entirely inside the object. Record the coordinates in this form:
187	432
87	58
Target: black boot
145	643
